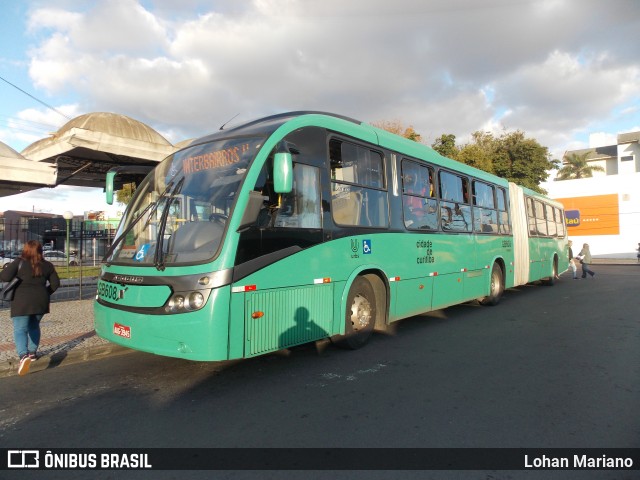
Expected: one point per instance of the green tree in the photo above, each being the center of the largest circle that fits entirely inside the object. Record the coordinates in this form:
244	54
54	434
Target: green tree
476	156
522	160
398	128
411	134
511	155
124	195
576	166
446	145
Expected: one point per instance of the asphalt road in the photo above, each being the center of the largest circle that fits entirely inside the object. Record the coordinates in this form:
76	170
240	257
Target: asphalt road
549	367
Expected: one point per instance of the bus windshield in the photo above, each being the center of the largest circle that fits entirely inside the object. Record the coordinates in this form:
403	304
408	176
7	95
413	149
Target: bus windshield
178	214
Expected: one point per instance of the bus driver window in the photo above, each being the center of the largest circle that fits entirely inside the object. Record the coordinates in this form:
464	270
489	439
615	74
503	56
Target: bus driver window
301	207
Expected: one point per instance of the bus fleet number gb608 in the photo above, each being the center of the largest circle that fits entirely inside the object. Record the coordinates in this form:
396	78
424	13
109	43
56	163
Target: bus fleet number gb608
108	291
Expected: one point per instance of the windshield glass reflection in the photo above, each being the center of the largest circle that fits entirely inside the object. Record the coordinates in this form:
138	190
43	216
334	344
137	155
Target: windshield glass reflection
179	212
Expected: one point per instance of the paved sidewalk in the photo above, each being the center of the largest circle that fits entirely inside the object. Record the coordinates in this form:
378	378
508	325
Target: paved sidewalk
68	336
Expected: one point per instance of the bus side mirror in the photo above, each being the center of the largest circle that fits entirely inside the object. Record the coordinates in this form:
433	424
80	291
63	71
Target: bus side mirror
133	174
109	187
283	172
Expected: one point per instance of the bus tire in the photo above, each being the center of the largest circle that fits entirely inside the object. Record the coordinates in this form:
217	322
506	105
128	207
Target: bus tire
360	315
496	287
551	281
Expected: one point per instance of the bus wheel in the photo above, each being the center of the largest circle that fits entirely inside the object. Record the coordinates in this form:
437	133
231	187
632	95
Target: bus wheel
360	316
496	287
551	281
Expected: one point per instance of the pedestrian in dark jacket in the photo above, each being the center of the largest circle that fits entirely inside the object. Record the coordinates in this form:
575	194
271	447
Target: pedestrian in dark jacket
31	301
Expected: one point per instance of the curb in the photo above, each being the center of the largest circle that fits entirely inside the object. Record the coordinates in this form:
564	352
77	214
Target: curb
10	367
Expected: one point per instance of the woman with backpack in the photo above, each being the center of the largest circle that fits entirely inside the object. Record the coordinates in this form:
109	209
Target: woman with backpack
38	280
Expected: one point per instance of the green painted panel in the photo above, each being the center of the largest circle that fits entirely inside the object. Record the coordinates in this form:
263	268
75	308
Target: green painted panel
290	317
476	283
413	296
447	290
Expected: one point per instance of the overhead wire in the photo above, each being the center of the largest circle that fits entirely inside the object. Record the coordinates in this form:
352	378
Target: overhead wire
35	98
27	126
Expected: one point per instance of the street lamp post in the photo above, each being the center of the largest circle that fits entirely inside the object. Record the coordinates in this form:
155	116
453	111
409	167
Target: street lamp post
67	216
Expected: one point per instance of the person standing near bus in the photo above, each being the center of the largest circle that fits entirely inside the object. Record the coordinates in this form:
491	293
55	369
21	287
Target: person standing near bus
638	250
572	262
39	280
585	260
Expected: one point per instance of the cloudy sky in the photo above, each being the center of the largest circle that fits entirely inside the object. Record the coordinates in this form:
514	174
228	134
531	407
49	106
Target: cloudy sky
566	72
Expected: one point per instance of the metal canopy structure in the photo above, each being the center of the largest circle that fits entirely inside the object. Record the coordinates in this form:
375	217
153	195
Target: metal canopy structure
81	152
21	175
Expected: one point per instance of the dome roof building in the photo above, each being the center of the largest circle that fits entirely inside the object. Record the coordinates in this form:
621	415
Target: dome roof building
86	147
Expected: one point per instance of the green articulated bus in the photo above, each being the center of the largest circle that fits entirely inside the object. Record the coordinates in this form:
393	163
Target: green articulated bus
305	226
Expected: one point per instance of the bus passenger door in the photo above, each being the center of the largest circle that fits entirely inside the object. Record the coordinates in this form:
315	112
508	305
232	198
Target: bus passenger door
271	253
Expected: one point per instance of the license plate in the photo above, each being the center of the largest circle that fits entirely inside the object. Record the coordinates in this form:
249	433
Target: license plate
121	330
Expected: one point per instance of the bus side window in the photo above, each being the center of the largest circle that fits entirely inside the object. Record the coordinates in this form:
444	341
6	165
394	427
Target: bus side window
551	221
503	215
455	215
301	207
420	210
531	215
541	222
465	190
485	217
453	188
358	189
560	222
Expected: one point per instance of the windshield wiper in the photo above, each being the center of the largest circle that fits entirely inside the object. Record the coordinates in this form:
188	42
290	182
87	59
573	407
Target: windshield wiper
151	208
158	256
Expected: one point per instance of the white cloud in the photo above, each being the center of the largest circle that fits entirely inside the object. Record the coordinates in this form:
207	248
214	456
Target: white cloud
117	26
33	124
554	68
52	19
564	94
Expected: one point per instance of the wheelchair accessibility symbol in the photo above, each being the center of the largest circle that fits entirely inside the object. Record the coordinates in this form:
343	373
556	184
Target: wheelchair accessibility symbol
140	254
366	247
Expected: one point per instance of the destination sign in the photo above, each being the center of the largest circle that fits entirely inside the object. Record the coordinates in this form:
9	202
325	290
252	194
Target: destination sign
211	160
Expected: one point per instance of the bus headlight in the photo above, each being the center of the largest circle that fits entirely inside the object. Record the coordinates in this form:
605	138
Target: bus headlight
196	301
186	302
175	304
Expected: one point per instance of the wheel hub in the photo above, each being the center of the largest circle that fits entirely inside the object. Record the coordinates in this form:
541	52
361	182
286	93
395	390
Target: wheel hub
360	312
